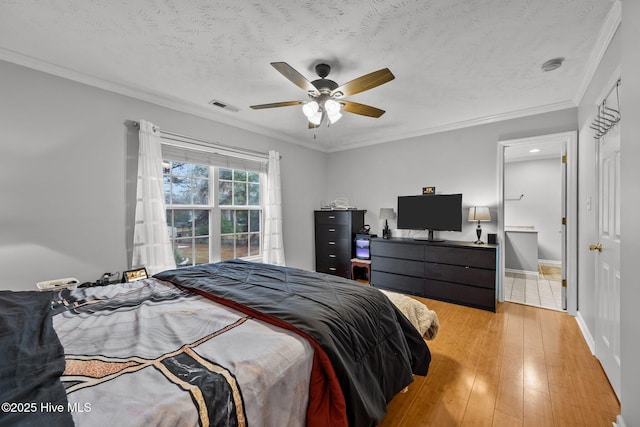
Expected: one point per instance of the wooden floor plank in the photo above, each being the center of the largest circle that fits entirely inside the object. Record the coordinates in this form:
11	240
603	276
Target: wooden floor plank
538	410
520	366
510	398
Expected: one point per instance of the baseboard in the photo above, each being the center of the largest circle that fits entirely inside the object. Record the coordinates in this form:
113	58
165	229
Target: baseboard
528	273
585	333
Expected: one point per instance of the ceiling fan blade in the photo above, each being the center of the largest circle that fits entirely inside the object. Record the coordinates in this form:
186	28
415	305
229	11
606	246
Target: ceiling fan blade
366	82
363	110
298	79
276	104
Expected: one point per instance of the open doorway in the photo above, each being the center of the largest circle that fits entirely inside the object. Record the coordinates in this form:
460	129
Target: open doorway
537	221
532	226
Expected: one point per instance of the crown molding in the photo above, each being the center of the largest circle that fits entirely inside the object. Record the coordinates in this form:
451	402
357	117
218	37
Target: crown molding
613	21
156	99
462	124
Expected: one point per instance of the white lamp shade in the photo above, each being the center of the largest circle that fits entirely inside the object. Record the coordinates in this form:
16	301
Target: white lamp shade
479	213
316	118
310	109
387	213
331	106
334	117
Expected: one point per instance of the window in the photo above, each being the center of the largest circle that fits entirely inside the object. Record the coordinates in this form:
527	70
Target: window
240	213
213	213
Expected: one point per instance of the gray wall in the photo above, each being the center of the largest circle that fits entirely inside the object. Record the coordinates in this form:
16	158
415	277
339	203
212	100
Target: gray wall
66	178
540	181
459	161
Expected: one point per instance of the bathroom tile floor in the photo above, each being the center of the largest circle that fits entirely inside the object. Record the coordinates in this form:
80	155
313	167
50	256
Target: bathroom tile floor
533	290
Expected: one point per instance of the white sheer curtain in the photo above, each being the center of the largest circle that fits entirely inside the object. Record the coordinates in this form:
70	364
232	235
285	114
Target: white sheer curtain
273	247
151	245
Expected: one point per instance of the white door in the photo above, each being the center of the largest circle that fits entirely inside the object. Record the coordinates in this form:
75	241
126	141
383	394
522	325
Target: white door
607	252
563	225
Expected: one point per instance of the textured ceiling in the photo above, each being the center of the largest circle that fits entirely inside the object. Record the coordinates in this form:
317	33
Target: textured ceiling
456	62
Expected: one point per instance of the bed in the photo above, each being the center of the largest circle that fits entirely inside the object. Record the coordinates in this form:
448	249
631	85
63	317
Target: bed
230	343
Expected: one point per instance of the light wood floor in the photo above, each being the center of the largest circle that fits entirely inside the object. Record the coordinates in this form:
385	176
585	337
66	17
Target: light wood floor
521	366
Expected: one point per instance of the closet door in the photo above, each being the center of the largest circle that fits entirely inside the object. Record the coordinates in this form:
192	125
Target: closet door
607	253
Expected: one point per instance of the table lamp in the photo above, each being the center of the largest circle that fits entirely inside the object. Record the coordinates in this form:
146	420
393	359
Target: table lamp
479	213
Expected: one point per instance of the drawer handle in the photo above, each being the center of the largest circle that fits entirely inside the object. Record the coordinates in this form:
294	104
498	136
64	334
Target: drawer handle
332	256
332	268
332	217
332	243
331	230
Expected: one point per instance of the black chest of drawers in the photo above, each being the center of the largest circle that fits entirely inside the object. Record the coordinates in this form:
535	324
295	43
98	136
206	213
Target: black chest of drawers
458	272
335	233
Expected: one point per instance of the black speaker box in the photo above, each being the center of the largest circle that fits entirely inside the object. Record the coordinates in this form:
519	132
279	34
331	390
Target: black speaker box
492	239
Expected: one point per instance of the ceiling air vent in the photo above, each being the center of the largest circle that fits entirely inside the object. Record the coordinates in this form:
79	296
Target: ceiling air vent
218	103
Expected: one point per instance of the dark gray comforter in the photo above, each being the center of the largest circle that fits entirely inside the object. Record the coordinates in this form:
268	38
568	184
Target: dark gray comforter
373	349
31	362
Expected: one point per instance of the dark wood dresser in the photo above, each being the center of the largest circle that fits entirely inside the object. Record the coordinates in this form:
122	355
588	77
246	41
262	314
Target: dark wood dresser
459	272
335	245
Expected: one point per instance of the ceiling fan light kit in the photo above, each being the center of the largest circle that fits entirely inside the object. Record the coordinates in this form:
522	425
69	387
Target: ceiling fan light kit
315	112
324	94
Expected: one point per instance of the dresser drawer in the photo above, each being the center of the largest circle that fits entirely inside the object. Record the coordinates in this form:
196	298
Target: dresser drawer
482	258
340	252
398	266
333	266
397	250
333	218
396	282
328	232
334	243
461	274
471	296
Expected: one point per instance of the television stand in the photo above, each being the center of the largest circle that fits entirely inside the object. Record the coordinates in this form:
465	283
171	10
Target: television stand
457	272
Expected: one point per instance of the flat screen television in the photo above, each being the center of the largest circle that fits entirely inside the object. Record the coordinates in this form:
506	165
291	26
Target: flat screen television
433	212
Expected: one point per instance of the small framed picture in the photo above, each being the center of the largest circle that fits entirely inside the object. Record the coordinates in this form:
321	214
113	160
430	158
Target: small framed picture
428	190
133	275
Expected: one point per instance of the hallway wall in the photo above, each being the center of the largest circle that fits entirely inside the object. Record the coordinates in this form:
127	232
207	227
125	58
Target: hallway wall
540	182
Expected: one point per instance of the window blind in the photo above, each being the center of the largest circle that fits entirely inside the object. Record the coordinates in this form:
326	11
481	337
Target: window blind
190	150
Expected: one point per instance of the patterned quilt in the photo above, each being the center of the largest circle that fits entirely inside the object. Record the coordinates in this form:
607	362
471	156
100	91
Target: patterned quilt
152	352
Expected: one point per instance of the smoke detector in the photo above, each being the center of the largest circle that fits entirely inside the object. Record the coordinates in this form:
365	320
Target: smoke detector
552	64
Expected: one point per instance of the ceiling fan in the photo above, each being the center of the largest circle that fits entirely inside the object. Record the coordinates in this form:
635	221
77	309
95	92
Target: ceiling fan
325	96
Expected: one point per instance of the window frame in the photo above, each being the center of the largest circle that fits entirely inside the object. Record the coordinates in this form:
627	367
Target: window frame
219	208
215	234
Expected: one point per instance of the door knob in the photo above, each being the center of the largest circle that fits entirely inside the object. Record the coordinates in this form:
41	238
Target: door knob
597	247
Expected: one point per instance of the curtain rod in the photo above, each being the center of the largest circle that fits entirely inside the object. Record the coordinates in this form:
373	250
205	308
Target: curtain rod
204	142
